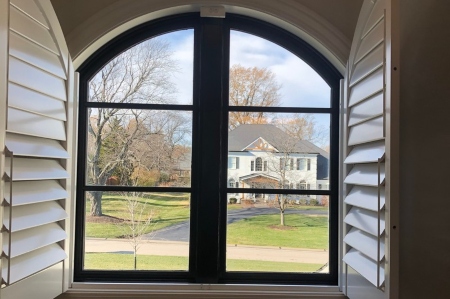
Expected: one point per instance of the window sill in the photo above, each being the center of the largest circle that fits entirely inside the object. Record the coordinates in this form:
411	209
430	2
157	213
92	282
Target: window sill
115	290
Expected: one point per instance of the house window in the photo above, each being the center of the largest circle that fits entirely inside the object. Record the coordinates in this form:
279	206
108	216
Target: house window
303	164
233	162
258	164
303	185
133	142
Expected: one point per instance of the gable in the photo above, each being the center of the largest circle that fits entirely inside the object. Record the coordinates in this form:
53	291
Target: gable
260	145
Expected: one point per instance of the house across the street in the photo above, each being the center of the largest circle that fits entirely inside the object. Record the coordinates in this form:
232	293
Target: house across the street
264	156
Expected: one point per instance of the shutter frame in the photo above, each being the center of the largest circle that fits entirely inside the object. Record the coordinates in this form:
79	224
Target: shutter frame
364	151
36	203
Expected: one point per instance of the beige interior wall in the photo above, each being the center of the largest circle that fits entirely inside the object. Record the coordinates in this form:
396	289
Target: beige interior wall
424	149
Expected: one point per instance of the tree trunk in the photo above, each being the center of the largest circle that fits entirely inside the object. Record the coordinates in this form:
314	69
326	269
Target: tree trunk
135	260
96	203
282	218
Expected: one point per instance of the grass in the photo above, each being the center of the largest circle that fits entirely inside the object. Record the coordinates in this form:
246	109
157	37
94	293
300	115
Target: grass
166	209
115	261
302	231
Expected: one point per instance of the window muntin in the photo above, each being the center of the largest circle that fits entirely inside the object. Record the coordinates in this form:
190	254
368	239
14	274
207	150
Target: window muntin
207	209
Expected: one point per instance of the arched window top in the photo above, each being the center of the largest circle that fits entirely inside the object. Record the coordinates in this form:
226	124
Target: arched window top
239	23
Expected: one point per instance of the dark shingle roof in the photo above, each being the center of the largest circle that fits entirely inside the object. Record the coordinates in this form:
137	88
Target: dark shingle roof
244	135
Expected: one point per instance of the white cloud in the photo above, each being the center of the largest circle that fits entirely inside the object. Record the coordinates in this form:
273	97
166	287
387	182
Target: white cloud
301	85
182	45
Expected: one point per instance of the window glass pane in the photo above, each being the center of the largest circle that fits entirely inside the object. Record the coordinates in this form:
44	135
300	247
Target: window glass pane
156	71
139	147
289	148
262	238
155	226
265	74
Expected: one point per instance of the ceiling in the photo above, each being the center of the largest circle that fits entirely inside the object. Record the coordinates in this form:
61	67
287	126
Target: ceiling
340	16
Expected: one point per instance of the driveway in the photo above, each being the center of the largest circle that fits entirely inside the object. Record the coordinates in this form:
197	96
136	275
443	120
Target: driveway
180	231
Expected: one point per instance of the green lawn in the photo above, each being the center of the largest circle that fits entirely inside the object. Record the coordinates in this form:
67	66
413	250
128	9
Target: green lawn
114	261
301	231
166	209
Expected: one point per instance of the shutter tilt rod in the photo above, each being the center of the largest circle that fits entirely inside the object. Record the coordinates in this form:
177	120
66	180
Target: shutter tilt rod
9	154
379	222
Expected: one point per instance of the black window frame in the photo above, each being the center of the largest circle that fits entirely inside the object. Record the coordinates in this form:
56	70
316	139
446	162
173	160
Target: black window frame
207	261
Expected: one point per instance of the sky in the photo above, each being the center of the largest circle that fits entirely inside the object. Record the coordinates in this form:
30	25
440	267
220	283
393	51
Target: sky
301	86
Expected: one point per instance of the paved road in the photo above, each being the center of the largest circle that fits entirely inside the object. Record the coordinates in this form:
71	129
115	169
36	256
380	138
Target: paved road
171	248
180	231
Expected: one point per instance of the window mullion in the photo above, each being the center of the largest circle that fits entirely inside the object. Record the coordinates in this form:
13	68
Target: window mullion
208	194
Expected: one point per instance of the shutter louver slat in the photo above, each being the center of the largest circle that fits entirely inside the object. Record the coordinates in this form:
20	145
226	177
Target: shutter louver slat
366	110
35	147
28	216
26	123
31	77
376	15
30	8
29	192
365	175
18	97
366	88
29	28
364	243
365	220
36	169
366	153
371	41
30	263
365	197
25	241
364	266
28	51
368	65
368	131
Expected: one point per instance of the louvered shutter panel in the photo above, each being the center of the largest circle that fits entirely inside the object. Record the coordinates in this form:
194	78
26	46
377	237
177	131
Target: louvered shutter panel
36	168
365	151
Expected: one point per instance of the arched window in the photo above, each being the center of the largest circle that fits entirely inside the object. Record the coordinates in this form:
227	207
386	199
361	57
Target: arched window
165	97
258	164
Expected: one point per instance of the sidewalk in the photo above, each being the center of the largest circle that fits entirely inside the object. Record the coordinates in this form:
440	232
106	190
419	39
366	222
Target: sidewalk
172	248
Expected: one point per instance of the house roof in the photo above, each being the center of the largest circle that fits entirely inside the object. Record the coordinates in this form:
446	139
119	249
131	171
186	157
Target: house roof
244	135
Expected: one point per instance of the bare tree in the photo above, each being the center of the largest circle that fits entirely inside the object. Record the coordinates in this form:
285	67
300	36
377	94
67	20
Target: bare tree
138	224
138	75
282	162
252	86
301	126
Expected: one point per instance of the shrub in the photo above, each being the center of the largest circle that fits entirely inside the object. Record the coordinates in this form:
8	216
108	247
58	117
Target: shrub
233	200
313	202
302	202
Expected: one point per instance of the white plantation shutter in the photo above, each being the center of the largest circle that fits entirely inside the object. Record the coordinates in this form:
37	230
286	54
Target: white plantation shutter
36	198
365	151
